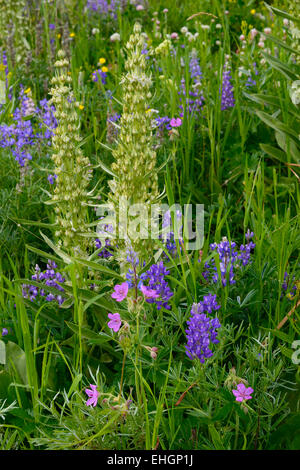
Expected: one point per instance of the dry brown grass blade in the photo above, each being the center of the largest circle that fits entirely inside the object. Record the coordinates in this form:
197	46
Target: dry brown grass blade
184	394
280	325
157	444
201	13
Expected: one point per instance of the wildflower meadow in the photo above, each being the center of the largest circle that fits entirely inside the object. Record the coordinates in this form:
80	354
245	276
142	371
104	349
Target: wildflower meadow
149	225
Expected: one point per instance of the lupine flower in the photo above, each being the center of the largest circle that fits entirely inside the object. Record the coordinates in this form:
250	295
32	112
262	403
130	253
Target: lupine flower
93	394
104	242
229	258
227	98
156	281
202	329
133	278
51	178
192	102
169	237
112	131
115	321
291	284
48	122
250	82
99	75
104	253
106	8
51	277
4	332
19	136
162	123
167	220
121	291
242	393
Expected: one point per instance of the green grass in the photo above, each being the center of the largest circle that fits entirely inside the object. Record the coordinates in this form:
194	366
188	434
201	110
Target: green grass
241	164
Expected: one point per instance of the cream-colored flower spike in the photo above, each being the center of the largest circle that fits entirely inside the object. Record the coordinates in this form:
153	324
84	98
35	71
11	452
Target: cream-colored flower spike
135	159
73	170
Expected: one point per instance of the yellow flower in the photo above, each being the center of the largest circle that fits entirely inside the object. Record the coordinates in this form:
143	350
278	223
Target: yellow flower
102	60
59	35
104	69
253	11
2	67
81	107
244	27
72	35
28	90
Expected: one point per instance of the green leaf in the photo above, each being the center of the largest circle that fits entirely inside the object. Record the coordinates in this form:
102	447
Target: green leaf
277	125
105	168
288	146
282	13
37	223
16	361
286	351
223	412
98	338
284	337
43	254
274	152
67	259
216	438
74	384
98	267
273	101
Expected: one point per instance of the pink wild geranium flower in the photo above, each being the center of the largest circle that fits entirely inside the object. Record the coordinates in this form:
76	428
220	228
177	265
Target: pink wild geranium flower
149	293
175	122
93	394
121	291
242	393
115	321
